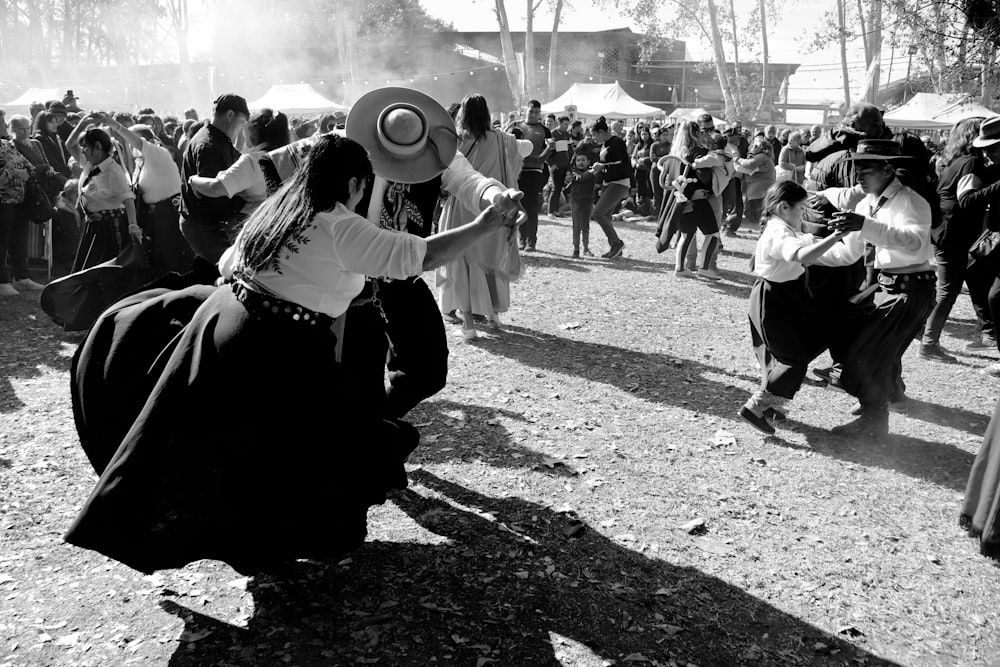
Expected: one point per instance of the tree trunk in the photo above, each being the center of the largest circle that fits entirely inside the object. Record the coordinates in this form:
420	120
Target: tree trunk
553	50
529	51
720	63
509	57
864	34
876	48
841	16
764	90
736	52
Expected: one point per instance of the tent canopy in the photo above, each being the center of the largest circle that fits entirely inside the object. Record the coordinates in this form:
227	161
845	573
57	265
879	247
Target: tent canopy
601	99
296	98
931	111
692	115
42	95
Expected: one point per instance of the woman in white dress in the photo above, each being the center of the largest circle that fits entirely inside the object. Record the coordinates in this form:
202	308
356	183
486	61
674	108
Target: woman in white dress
478	282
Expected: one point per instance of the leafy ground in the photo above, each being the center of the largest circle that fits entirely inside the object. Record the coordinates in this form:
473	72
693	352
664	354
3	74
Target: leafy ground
543	523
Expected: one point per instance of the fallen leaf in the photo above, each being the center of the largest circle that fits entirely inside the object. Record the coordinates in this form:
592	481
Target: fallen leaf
68	640
692	526
850	631
636	657
723	438
191	636
570	325
713	546
521	575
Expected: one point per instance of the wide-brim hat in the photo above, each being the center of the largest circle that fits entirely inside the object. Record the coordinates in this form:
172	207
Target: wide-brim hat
409	137
873	150
989	133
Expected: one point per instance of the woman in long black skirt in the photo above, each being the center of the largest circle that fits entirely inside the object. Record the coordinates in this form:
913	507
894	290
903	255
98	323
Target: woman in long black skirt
785	323
252	446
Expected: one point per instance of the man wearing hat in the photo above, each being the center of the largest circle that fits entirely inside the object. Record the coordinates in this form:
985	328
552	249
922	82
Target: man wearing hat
897	222
58	109
211	224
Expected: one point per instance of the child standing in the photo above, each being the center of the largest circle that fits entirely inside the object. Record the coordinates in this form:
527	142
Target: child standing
65	229
580	192
785	322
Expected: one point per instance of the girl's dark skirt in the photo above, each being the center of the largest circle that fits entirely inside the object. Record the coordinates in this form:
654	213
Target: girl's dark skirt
981	509
239	438
104	236
786	332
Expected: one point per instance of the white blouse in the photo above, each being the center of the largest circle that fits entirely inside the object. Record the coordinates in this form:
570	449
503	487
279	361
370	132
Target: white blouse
244	178
774	258
324	268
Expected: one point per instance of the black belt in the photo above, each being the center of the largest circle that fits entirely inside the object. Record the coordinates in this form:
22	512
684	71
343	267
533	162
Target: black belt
266	306
895	283
173	202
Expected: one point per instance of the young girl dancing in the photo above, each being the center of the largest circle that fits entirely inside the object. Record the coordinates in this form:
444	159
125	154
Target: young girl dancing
785	321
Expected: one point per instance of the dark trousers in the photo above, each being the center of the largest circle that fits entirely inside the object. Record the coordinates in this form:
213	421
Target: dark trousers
13	243
732	204
654	184
531	184
209	240
169	250
984	290
412	344
558	183
754	211
643	191
873	362
612	195
952	271
581	210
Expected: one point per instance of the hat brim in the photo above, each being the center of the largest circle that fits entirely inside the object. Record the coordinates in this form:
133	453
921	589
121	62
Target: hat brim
436	156
872	157
984	143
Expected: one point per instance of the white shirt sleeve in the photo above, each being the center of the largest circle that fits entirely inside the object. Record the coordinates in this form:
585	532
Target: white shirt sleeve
909	230
850	249
243	175
367	250
845	199
785	245
468	186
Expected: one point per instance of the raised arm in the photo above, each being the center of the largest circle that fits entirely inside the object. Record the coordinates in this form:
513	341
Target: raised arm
73	140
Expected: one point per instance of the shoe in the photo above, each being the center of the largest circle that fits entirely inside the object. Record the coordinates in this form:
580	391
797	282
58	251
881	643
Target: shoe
469	334
982	344
867	425
6	289
709	274
901	404
529	248
493	322
615	251
522	245
759	422
452	318
934	351
28	284
576	254
831	376
730	235
775	415
587	253
857	411
992	369
684	273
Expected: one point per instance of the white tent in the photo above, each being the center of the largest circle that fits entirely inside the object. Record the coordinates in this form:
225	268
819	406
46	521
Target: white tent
601	99
296	98
692	115
931	111
42	95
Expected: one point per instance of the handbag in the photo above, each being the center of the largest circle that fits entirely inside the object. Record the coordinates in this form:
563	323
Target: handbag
36	206
986	249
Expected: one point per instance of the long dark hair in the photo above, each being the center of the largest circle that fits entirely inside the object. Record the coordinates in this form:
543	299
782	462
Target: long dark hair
41	124
783	191
960	139
319	184
269	128
473	118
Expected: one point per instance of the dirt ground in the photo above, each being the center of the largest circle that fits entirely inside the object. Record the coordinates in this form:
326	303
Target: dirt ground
545	521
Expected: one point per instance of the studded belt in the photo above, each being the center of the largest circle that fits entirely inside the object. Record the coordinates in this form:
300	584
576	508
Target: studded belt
266	306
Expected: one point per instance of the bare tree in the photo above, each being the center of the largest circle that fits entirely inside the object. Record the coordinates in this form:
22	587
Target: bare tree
554	48
842	38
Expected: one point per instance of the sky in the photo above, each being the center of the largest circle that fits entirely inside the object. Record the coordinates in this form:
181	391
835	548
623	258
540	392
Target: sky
789	38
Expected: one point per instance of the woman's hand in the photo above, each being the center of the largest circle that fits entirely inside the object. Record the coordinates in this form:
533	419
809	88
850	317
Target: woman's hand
508	203
135	231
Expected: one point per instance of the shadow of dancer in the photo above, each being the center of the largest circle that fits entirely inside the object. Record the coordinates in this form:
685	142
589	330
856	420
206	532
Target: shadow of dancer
515	583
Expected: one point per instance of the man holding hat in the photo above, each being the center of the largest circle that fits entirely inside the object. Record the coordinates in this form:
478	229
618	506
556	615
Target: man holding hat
897	222
211	224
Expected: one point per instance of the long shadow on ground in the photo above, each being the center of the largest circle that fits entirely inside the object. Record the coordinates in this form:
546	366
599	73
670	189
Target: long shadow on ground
664	379
516	584
29	340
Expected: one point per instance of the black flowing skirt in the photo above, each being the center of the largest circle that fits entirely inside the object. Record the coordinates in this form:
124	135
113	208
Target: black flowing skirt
981	509
243	441
787	333
104	236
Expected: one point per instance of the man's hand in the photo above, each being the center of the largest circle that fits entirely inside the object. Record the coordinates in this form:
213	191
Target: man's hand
846	221
508	204
816	200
